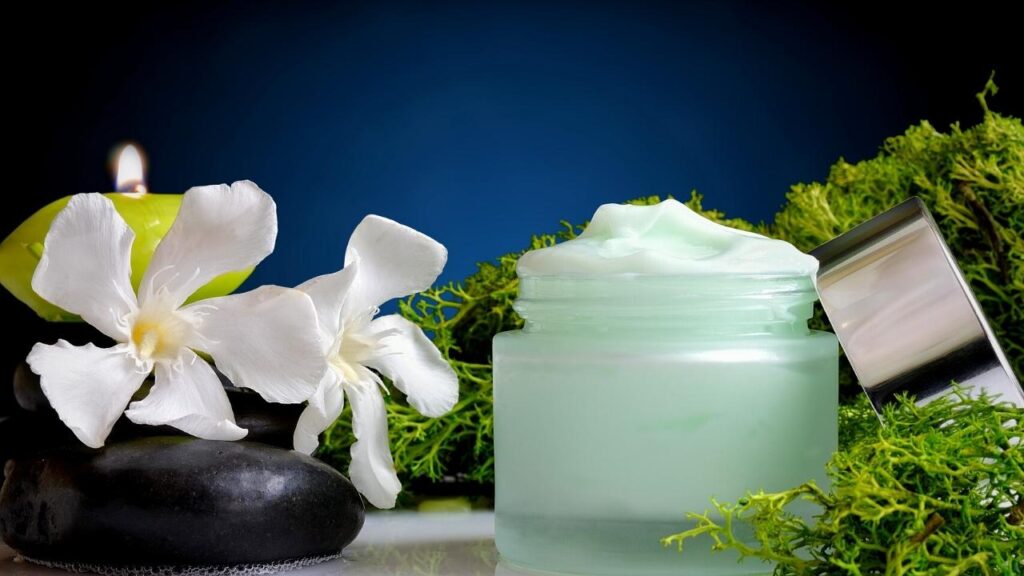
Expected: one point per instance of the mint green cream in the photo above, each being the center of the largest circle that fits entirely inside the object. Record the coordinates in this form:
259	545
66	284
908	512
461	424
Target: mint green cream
665	359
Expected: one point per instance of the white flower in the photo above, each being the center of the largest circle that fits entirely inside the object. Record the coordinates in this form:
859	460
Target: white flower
384	260
260	339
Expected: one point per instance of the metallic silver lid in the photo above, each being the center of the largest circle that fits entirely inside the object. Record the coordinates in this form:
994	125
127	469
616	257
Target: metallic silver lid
903	313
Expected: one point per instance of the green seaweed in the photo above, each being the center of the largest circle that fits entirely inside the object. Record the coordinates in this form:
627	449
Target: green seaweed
938	490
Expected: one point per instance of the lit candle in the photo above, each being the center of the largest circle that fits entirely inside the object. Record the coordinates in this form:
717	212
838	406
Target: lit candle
149	215
130	178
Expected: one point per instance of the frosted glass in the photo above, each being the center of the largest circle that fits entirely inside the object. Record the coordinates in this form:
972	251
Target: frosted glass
605	438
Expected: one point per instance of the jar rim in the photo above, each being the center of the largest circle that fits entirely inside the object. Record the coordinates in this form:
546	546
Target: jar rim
668	286
734	304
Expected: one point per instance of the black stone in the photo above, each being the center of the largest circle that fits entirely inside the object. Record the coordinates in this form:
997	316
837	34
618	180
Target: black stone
177	501
23	435
266	422
28	392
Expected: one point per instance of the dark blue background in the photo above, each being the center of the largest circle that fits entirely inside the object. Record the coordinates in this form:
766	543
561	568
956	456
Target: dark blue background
480	123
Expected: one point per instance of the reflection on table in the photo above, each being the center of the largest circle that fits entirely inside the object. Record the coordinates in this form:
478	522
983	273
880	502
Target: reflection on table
390	544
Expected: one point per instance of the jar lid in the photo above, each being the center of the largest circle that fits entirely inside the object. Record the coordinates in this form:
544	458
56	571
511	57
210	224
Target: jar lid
903	313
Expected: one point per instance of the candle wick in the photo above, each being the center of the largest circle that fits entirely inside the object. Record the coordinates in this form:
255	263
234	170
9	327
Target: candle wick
137	190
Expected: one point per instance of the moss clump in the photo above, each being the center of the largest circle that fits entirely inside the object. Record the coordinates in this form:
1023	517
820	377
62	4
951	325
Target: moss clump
938	490
972	179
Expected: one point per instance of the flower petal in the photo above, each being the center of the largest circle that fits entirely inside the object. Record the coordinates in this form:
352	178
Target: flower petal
188	396
89	387
324	408
372	470
414	365
218	229
395	261
266	340
328	293
86	264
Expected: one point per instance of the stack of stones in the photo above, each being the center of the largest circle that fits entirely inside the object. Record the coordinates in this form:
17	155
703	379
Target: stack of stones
154	498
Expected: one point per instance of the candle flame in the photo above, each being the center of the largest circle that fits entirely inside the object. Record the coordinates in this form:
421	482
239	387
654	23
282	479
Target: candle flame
130	171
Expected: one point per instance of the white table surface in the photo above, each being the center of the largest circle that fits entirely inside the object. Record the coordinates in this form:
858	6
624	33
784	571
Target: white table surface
391	544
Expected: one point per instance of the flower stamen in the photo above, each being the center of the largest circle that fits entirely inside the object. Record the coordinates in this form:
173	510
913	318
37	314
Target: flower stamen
159	334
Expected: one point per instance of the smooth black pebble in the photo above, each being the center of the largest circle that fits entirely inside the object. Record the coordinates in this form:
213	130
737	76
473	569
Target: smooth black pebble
177	501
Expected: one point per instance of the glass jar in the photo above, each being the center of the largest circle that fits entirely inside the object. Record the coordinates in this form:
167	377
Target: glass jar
627	401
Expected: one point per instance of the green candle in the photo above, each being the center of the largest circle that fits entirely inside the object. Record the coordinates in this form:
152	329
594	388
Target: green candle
665	359
149	215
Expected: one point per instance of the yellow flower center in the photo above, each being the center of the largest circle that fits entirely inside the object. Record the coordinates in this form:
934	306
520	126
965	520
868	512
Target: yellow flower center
354	350
354	347
159	335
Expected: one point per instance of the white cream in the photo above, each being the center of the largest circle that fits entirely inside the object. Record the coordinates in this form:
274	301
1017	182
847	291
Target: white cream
664	240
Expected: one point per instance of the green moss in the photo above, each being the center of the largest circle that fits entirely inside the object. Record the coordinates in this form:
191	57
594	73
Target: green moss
973	180
935	491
